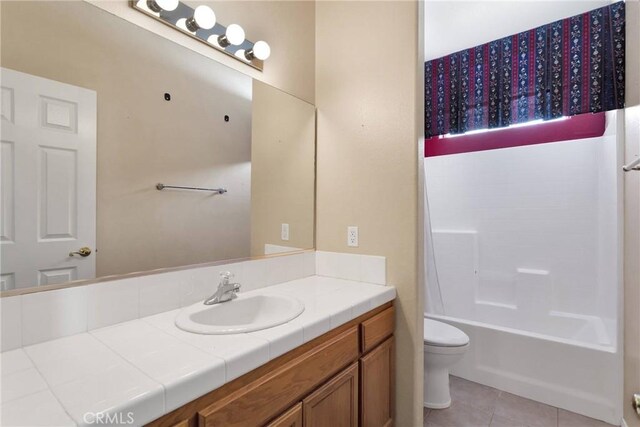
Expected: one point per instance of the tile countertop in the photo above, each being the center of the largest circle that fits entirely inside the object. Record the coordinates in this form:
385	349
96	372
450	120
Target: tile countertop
140	370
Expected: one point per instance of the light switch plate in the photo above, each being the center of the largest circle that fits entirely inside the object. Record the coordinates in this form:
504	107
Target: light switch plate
284	232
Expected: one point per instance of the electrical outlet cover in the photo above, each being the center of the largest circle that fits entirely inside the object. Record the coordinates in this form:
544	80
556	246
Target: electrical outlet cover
352	236
284	232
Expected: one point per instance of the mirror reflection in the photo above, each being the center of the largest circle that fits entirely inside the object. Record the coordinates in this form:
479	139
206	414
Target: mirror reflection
96	112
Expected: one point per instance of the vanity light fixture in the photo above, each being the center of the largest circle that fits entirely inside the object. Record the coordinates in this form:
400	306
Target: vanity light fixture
200	23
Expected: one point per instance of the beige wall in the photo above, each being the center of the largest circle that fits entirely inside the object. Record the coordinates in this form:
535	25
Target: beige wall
367	82
288	27
143	139
283	169
632	217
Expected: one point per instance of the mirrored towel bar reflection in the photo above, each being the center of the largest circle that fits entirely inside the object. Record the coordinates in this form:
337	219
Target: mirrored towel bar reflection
160	186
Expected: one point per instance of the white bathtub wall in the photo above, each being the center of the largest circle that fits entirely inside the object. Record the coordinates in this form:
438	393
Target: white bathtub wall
546	220
456	253
610	206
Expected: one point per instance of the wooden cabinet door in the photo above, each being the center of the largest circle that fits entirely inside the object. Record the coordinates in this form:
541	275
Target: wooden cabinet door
291	418
376	386
334	404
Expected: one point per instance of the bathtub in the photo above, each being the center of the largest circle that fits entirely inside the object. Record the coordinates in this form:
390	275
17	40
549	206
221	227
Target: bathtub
563	372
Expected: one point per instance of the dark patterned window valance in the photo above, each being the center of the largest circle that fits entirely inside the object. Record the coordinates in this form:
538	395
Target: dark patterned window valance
569	67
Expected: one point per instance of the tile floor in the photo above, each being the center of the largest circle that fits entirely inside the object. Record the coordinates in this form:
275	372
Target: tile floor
476	405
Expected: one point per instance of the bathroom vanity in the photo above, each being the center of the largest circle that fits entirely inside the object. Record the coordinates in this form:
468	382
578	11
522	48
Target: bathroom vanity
334	360
342	378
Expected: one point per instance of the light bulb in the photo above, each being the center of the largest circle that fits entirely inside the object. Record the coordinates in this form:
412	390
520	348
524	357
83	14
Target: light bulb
160	5
235	34
203	17
182	23
213	39
261	50
241	54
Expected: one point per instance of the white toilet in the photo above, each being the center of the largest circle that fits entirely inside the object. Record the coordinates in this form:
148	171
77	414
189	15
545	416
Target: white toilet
444	345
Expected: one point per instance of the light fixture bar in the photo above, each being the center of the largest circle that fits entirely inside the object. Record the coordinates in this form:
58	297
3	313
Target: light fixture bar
194	22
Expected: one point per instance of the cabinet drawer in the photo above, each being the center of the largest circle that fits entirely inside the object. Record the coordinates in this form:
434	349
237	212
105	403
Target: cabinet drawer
377	329
262	400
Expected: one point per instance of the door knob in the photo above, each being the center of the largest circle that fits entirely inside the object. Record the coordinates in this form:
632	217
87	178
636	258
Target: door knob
83	252
636	402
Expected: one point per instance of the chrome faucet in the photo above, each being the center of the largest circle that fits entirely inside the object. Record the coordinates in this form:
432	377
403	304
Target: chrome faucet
226	291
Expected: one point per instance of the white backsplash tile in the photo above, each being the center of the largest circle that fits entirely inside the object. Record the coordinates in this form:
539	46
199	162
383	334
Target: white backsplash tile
348	266
308	264
112	302
45	316
161	292
373	269
338	265
361	268
255	275
326	263
10	323
201	284
53	314
283	269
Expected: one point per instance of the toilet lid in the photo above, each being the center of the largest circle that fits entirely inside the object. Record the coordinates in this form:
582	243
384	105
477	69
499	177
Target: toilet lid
443	335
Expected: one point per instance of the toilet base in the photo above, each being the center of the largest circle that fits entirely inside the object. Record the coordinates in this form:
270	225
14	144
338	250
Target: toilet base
437	361
437	405
436	389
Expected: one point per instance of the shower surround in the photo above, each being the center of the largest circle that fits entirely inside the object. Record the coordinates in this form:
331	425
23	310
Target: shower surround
526	245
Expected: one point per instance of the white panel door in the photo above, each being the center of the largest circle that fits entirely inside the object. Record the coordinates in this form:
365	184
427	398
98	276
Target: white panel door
48	187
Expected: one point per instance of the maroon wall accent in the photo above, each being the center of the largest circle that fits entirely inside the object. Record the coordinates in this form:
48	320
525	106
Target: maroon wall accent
574	127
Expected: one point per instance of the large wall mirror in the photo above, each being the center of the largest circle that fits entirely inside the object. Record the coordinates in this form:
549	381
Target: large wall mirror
96	112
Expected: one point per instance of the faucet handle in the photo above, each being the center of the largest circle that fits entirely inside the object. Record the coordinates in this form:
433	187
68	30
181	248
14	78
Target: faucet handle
226	276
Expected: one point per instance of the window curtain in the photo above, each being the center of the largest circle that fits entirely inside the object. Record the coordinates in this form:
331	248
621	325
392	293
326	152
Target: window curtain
572	66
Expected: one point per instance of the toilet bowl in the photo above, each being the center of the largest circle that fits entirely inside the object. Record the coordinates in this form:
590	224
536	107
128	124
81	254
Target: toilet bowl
444	345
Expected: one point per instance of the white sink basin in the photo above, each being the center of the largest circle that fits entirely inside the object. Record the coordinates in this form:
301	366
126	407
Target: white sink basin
247	313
